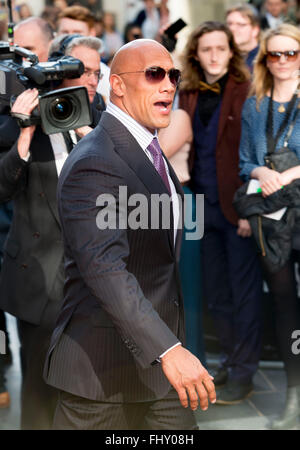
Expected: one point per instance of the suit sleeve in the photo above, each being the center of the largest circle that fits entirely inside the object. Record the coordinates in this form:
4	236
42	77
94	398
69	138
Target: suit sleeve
101	255
13	174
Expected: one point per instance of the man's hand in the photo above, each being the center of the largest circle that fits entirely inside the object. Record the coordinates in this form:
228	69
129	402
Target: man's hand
244	228
83	131
191	380
25	104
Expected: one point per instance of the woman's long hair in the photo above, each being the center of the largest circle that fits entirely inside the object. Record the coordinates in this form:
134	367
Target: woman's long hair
262	77
193	73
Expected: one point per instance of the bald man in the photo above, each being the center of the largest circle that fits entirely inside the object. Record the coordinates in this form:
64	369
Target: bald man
117	353
35	34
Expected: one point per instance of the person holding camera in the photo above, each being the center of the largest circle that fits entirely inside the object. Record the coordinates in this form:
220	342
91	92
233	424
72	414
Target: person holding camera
266	120
32	275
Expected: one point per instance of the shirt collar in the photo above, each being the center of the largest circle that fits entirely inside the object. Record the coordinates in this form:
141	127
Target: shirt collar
274	20
138	131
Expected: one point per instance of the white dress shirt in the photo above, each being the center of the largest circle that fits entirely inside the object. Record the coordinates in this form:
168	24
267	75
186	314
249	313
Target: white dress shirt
59	148
274	22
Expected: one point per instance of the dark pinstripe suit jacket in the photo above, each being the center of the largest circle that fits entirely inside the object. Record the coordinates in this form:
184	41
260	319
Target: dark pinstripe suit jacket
123	304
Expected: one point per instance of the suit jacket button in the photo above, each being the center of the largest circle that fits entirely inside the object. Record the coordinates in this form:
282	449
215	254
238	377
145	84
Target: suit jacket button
36	234
24	266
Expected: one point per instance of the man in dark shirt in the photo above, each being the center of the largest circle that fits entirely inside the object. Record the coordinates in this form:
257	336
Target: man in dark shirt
32	276
274	14
5	359
243	22
215	88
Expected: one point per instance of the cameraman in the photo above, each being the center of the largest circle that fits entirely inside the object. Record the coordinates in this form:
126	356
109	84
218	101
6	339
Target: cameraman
32	276
34	34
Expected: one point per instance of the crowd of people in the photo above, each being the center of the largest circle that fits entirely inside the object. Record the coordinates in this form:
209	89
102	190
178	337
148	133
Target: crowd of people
110	321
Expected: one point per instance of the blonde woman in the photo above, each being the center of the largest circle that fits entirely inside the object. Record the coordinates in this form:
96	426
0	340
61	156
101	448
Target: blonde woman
266	119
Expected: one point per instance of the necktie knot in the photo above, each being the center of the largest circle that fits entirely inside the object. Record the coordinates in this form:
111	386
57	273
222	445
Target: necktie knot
158	161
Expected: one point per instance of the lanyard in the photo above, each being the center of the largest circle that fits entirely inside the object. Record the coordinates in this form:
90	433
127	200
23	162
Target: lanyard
271	140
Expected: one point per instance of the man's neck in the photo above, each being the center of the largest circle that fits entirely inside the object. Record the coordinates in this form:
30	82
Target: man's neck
268	14
248	46
211	79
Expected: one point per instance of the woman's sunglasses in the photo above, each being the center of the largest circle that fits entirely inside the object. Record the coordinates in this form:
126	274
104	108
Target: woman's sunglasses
290	55
156	74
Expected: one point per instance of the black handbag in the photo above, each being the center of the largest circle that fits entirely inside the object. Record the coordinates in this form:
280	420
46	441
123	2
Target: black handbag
283	158
274	239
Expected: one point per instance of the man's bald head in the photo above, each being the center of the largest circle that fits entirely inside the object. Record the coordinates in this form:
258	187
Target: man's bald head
35	34
147	100
132	54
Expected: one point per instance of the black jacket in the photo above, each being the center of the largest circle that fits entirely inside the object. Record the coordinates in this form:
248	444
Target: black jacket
32	275
274	238
123	304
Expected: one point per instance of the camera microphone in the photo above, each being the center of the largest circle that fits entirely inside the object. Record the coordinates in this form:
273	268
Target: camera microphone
35	75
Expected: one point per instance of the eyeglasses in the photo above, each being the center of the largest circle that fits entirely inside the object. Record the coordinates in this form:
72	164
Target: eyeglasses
290	55
157	74
238	24
89	73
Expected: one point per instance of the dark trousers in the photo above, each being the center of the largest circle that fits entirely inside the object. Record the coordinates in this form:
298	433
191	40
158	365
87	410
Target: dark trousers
232	285
2	363
283	287
191	283
38	400
76	413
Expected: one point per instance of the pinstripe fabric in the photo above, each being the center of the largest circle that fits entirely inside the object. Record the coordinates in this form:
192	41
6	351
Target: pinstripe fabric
75	413
123	305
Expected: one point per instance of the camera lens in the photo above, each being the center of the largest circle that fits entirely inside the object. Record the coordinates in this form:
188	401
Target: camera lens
61	108
65	109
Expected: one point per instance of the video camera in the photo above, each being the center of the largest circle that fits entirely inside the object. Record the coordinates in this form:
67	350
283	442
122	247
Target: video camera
59	109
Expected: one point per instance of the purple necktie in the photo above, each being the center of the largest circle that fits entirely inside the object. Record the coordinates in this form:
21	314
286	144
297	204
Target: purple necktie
158	162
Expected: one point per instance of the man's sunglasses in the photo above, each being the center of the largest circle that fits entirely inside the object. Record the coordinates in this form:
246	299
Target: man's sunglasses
290	55
157	74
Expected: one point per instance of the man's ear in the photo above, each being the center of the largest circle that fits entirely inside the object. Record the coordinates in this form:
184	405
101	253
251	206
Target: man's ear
256	31
117	85
48	47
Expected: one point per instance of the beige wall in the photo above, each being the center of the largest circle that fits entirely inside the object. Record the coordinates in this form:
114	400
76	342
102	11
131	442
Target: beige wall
36	6
192	11
202	10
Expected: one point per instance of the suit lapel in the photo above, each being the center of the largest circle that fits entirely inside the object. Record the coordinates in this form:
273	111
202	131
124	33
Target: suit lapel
43	155
225	107
130	151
